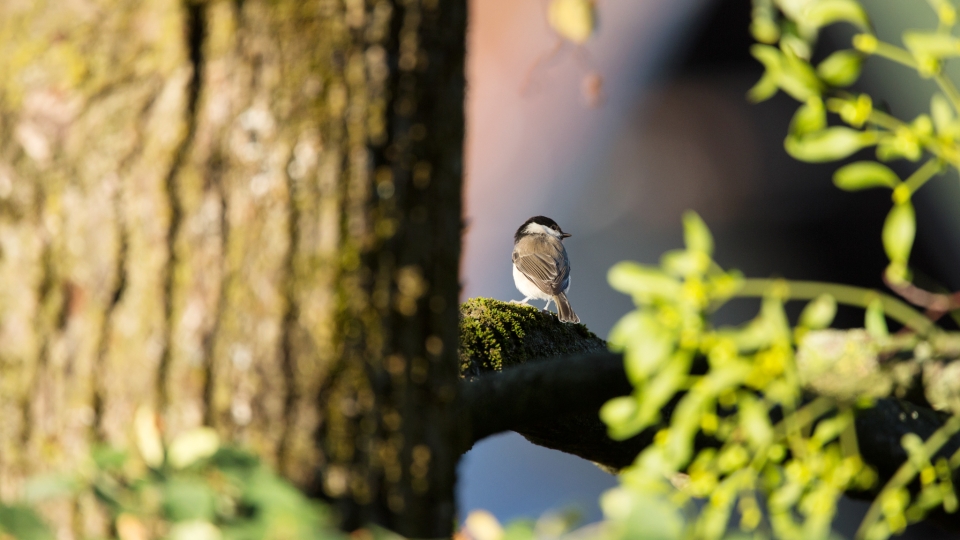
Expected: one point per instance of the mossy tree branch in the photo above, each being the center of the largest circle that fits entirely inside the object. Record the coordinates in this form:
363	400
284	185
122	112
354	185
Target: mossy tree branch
525	371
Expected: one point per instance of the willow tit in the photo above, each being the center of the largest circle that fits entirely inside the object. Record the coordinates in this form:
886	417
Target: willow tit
541	269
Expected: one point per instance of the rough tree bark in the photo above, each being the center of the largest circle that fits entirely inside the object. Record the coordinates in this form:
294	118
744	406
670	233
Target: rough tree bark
241	213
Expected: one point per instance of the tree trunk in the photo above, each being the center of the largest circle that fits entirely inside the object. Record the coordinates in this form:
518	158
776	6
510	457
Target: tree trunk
244	214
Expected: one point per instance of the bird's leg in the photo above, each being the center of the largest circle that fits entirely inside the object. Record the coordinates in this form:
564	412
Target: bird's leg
547	307
524	301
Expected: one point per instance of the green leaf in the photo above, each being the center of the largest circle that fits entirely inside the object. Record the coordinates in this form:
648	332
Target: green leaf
193	445
943	117
798	78
826	12
829	144
645	283
618	413
829	429
841	68
661	389
767	86
194	530
23	523
792	74
874	321
810	117
945	11
856	111
50	486
574	20
819	312
902	144
108	458
645	342
148	436
188	499
684	263
696	235
755	422
521	529
764	29
931	44
899	230
864	175
922	126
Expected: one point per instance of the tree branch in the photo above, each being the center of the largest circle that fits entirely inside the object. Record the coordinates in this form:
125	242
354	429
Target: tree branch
553	402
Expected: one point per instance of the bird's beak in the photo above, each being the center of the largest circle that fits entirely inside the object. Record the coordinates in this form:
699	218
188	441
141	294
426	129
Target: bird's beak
565	235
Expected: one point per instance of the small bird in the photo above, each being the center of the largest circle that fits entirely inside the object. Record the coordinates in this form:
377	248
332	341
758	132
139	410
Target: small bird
541	269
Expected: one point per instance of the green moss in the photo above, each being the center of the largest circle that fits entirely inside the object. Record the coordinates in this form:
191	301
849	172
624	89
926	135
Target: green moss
495	335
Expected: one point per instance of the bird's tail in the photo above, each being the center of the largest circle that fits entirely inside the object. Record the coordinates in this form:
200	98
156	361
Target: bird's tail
565	311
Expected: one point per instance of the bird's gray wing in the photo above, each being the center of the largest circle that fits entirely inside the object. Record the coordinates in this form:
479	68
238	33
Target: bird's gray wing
544	262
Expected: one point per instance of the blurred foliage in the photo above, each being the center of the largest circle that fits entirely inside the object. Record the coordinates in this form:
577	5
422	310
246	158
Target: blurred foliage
193	488
760	442
754	424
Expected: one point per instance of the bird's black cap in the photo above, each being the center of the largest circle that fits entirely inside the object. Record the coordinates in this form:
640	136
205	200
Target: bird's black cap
540	220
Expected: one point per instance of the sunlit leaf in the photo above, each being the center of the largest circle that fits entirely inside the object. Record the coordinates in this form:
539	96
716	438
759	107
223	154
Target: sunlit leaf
931	44
49	486
189	499
765	29
899	230
482	525
683	263
865	43
645	283
696	235
810	117
945	11
193	445
645	342
830	144
825	12
922	126
841	68
798	78
195	530
22	522
768	84
902	144
943	116
856	111
619	413
864	175
658	391
755	422
148	436
645	514
574	20
788	71
819	312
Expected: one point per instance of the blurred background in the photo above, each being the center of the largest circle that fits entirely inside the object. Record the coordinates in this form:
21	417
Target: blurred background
672	131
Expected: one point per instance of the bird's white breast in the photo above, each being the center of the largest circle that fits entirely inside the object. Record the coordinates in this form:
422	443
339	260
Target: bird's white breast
527	287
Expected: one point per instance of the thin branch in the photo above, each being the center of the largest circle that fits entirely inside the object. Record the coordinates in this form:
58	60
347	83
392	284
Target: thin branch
844	294
907	471
920	177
